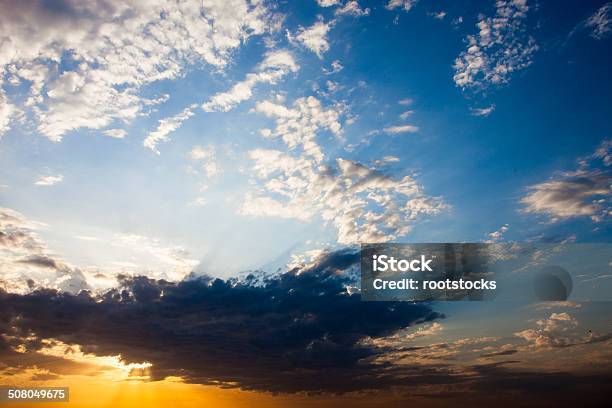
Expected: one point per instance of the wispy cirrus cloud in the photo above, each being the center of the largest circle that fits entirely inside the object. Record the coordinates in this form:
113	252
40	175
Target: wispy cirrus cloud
395	130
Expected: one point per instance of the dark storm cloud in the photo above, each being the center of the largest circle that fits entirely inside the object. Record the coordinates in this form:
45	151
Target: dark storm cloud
298	331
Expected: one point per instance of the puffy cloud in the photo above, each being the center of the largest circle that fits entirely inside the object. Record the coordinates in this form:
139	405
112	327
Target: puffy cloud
298	126
439	15
328	3
277	334
500	48
49	180
167	126
496	236
275	66
601	22
6	112
109	50
116	133
583	192
405	4
336	67
205	156
314	37
362	203
394	130
486	111
558	330
352	8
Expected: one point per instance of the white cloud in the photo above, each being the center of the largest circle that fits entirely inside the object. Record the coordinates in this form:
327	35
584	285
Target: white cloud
496	236
275	66
486	111
405	4
601	22
298	126
394	130
206	157
328	3
352	8
439	15
500	48
584	192
167	126
405	115
174	257
116	133
336	67
405	101
49	180
363	204
6	112
113	49
314	37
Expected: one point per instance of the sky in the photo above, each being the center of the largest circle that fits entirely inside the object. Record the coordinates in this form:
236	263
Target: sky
153	147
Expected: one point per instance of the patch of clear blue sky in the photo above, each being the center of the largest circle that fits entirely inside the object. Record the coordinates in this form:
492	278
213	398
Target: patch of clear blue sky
550	114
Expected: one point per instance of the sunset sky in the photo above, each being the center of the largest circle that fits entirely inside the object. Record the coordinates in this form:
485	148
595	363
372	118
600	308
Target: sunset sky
184	186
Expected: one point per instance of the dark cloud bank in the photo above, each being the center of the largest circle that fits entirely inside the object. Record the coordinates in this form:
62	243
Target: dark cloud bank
298	331
275	334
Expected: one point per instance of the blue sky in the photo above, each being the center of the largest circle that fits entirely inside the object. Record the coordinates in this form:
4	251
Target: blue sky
479	151
141	142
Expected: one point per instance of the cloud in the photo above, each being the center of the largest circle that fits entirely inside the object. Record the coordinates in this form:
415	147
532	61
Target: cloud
275	66
500	48
558	330
405	101
175	260
583	192
362	203
293	332
336	67
394	130
84	64
6	112
328	3
405	115
439	15
496	236
298	126
352	8
484	112
205	156
167	126
49	180
26	260
314	37
601	22
116	133
405	4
